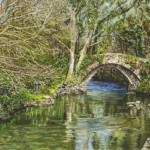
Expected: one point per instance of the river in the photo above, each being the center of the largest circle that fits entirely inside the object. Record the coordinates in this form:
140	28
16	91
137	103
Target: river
98	120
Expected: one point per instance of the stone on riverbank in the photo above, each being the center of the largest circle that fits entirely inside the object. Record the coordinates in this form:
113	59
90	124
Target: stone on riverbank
70	89
147	144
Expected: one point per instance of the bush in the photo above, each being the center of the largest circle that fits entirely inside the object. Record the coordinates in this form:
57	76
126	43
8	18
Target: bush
144	86
4	99
22	94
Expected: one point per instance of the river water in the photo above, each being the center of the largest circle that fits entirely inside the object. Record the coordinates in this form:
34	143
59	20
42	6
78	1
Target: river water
98	120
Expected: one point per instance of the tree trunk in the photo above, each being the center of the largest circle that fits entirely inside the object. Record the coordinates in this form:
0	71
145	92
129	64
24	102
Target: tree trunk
74	38
84	50
86	45
71	65
3	5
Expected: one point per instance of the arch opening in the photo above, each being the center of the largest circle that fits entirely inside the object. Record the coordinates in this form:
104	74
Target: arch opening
108	73
114	72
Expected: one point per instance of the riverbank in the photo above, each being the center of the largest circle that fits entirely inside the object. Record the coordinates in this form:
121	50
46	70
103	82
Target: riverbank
141	94
47	100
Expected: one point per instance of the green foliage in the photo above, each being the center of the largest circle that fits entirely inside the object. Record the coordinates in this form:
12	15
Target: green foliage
131	35
61	66
147	65
21	95
144	86
37	44
4	99
103	46
24	94
87	61
5	80
145	71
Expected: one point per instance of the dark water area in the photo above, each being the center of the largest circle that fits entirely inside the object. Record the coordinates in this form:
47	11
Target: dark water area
98	120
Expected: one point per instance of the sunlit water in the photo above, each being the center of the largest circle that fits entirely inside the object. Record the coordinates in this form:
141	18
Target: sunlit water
98	120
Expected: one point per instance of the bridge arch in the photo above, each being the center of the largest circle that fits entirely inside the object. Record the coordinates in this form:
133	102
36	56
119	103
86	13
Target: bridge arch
127	65
129	75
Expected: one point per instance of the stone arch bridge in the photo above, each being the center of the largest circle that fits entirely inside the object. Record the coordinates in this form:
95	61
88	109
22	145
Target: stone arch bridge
129	66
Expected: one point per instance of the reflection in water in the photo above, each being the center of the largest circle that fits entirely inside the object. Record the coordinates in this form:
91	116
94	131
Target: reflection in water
99	120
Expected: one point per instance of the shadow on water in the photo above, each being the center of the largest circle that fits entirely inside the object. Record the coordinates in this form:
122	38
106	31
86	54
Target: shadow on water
98	120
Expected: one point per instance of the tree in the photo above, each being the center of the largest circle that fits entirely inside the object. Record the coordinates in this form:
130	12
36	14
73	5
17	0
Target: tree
30	36
40	34
90	22
131	35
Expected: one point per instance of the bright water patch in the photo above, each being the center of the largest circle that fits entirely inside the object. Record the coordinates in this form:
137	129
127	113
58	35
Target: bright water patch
105	86
105	91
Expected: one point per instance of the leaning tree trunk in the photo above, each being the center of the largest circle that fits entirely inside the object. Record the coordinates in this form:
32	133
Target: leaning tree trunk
86	46
84	50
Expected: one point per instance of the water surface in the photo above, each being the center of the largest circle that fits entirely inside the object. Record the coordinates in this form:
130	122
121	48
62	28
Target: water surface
98	120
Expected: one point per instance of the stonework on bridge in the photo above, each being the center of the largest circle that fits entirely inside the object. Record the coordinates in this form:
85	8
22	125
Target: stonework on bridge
128	65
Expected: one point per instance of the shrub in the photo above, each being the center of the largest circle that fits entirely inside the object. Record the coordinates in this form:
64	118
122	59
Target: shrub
22	94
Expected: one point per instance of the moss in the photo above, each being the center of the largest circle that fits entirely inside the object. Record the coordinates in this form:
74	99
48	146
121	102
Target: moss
99	58
130	59
54	86
36	97
52	91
